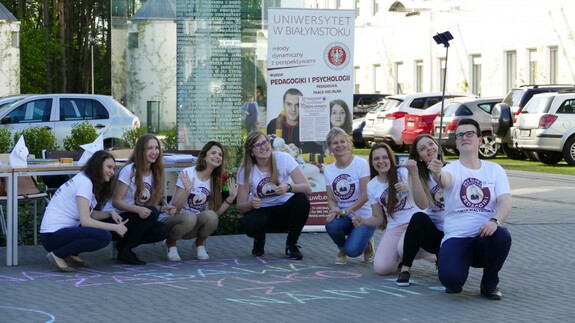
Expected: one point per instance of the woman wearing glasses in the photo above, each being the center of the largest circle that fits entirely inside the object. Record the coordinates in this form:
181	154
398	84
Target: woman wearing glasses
272	195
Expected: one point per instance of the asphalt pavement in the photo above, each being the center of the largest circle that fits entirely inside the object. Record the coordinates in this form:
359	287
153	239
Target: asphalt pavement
234	286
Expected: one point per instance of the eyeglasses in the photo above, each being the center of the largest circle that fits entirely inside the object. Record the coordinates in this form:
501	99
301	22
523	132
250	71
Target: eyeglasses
260	145
467	134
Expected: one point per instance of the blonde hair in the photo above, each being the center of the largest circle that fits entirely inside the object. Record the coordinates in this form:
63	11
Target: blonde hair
250	160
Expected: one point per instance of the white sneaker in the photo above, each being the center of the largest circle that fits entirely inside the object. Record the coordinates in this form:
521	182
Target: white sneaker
173	254
201	253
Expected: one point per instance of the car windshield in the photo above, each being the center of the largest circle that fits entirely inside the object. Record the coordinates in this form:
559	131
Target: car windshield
378	107
538	105
436	108
391	103
8	103
514	97
450	109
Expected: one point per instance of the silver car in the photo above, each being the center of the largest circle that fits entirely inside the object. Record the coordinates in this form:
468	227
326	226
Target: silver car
60	112
471	108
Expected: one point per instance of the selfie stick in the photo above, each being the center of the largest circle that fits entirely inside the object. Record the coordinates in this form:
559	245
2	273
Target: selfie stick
442	39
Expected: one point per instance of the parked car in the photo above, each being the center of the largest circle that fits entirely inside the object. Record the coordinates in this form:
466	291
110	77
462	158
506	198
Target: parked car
546	126
505	115
420	123
390	119
60	112
478	109
369	125
8	100
363	103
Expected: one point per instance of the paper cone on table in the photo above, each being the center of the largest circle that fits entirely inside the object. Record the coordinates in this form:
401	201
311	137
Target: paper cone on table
91	148
19	154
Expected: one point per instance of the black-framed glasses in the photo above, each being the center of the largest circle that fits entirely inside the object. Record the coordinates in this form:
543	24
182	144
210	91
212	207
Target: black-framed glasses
261	145
467	134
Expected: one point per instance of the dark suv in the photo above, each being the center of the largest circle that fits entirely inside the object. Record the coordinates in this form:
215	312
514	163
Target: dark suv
504	115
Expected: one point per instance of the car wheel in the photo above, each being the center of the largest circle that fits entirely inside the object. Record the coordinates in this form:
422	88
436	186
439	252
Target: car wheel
501	119
569	152
531	155
488	148
549	157
513	153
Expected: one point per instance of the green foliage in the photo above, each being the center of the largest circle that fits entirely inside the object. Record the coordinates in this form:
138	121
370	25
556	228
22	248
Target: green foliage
231	222
5	140
37	138
131	136
82	133
170	142
234	156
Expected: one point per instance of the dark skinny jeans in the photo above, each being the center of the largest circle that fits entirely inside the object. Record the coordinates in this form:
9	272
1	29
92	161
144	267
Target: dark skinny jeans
290	216
421	233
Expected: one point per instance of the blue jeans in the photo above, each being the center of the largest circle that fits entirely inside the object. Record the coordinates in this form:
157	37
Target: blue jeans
456	255
357	237
73	241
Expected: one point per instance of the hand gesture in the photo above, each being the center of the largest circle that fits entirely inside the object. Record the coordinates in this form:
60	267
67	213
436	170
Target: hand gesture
170	209
232	188
188	183
435	166
144	212
116	217
121	228
333	213
356	220
411	165
402	187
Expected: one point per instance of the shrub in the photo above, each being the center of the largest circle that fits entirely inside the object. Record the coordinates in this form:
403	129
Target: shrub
37	139
82	133
231	222
5	140
130	136
170	142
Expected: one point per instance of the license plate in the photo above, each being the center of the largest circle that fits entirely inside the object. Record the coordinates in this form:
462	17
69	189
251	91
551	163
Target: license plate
410	123
525	133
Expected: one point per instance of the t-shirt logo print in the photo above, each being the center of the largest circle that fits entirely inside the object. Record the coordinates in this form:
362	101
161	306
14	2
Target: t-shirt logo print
265	188
342	188
401	200
198	198
145	195
437	195
473	194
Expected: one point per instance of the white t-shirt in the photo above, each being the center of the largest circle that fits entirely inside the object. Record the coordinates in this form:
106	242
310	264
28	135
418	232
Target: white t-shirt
436	209
259	181
345	184
200	195
126	177
377	194
471	199
62	211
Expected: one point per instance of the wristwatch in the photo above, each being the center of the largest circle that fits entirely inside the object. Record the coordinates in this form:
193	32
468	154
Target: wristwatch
343	212
494	220
289	187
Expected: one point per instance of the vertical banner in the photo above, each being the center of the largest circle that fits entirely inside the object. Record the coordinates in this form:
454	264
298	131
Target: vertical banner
310	88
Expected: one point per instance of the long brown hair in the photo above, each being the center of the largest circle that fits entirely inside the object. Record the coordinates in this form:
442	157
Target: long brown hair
422	169
157	168
391	176
216	175
250	160
94	171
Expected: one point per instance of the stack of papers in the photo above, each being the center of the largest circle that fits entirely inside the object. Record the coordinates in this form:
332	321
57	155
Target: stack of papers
183	158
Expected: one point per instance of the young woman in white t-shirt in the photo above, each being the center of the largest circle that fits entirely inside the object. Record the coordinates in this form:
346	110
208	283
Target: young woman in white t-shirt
137	197
272	194
198	201
391	194
72	224
346	188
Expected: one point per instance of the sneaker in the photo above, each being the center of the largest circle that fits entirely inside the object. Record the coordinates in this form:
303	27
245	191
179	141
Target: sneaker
403	279
341	258
201	253
129	257
258	249
293	252
173	254
494	294
369	253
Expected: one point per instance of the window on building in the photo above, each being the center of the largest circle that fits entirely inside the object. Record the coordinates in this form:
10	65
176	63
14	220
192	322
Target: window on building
375	6
553	61
355	74
418	76
356	8
510	69
532	56
338	4
476	74
398	77
133	40
15	39
377	75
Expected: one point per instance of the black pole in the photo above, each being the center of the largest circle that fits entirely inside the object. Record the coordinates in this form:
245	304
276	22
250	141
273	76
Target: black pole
442	38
